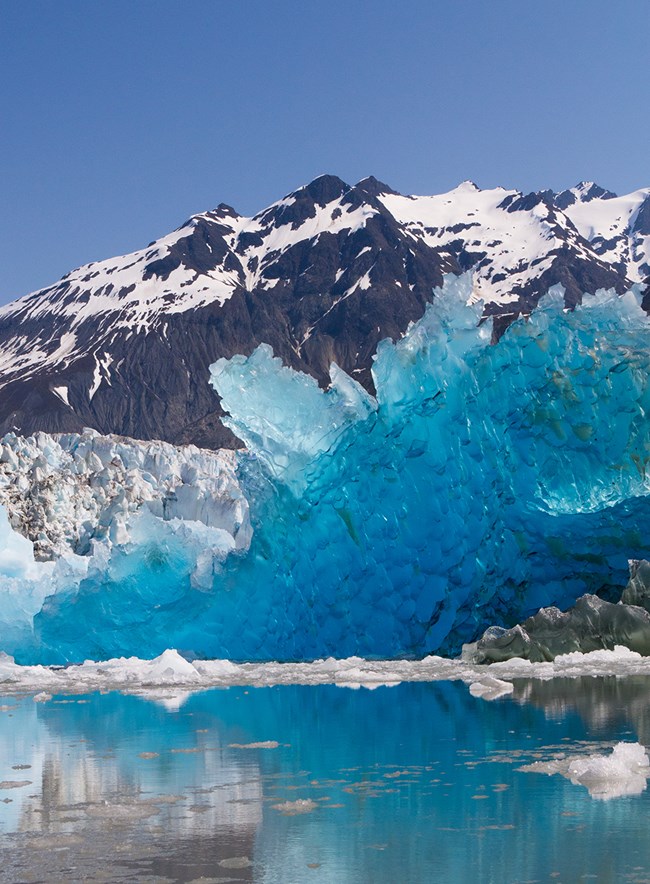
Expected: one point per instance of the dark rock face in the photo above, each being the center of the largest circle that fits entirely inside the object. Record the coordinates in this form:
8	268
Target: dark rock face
642	220
124	346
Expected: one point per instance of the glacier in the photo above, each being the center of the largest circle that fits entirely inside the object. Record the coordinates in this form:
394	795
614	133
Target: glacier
483	481
110	531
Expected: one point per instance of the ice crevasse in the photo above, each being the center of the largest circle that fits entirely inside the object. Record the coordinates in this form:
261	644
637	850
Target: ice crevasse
482	482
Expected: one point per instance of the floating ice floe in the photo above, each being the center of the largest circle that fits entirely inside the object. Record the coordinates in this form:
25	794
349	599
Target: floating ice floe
624	771
490	688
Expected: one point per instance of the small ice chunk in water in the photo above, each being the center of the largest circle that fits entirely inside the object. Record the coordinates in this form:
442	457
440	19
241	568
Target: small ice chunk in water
490	688
301	805
623	772
235	862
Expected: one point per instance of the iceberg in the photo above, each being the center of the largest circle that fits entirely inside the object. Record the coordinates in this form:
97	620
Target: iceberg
623	772
481	482
485	480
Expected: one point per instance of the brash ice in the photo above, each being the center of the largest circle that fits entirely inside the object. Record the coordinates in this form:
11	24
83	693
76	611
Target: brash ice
482	482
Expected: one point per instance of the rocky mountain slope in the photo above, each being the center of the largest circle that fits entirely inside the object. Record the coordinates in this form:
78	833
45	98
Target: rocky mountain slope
124	345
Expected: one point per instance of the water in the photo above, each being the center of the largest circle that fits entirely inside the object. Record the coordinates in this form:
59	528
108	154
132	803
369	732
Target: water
414	783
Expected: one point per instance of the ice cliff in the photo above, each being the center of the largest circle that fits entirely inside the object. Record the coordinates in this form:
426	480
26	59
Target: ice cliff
65	492
482	482
79	512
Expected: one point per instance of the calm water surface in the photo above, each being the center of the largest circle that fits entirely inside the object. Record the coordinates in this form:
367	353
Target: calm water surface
414	783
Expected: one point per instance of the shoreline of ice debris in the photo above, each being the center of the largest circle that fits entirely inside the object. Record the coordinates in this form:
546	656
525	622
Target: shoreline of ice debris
171	670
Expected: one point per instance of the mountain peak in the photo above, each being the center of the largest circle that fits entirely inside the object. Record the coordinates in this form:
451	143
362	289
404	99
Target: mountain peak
468	185
589	190
223	210
301	204
583	192
221	213
374	187
324	189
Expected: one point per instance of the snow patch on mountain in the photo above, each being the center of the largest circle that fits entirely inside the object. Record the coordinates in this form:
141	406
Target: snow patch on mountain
101	373
507	241
609	224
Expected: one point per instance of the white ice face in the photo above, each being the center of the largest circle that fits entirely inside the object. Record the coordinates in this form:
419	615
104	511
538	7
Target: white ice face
24	583
16	552
82	496
72	490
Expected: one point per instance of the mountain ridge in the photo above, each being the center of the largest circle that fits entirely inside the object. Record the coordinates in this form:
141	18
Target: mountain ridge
123	345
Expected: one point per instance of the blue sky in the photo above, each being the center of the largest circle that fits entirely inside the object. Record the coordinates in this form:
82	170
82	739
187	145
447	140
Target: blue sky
120	119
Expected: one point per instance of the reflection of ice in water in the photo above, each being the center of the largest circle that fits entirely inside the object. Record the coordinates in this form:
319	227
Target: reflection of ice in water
624	771
601	702
73	781
391	779
22	743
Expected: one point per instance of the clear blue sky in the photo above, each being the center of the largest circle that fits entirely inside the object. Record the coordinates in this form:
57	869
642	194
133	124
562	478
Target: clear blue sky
120	118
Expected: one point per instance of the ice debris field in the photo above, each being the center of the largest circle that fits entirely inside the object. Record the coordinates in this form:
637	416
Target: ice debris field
482	481
171	678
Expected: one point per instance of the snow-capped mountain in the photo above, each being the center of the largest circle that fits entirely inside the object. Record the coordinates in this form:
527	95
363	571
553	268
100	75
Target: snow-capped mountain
323	275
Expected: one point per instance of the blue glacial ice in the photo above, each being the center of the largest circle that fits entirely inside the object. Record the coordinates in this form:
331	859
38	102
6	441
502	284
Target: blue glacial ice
483	482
